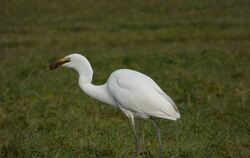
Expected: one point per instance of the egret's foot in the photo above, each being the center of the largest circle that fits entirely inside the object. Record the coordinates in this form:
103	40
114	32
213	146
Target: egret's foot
162	155
144	154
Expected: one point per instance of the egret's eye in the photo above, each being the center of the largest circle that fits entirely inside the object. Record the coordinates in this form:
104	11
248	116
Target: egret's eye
67	60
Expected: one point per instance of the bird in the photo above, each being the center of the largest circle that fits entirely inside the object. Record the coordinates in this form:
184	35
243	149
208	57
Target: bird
134	93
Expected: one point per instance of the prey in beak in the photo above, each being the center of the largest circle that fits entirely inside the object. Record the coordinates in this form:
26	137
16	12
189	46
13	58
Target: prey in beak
57	64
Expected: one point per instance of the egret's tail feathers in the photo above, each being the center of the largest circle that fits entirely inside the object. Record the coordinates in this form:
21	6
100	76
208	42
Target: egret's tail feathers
172	108
177	115
165	116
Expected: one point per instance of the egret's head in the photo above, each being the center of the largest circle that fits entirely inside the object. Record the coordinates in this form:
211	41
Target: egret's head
70	61
77	62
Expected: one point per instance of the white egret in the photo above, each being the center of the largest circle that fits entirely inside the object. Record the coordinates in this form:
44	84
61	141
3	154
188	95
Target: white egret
134	93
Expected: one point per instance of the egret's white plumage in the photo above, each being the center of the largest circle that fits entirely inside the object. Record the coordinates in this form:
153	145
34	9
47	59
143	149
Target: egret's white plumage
140	95
136	94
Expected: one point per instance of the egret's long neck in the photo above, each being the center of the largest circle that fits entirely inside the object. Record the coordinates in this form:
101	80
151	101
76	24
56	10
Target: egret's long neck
99	92
85	71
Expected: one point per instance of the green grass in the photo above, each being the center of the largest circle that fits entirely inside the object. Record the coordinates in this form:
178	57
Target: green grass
197	51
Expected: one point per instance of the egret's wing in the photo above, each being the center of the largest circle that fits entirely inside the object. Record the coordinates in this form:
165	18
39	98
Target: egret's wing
138	93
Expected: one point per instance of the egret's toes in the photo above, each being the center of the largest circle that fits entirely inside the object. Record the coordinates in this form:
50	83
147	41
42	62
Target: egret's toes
145	154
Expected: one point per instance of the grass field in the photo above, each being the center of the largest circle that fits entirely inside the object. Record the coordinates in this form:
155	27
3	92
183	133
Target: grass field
197	51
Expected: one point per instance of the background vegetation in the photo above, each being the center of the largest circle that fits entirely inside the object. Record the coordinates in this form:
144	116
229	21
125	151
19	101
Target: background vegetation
197	51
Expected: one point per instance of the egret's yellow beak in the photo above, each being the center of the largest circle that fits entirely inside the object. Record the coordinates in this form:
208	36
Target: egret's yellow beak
58	63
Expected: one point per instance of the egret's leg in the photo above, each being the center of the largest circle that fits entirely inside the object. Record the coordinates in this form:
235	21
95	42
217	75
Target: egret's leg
137	140
159	137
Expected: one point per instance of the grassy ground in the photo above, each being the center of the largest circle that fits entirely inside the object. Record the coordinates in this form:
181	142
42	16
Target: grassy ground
197	51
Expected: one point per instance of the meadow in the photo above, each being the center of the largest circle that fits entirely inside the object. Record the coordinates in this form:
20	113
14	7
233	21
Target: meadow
197	51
